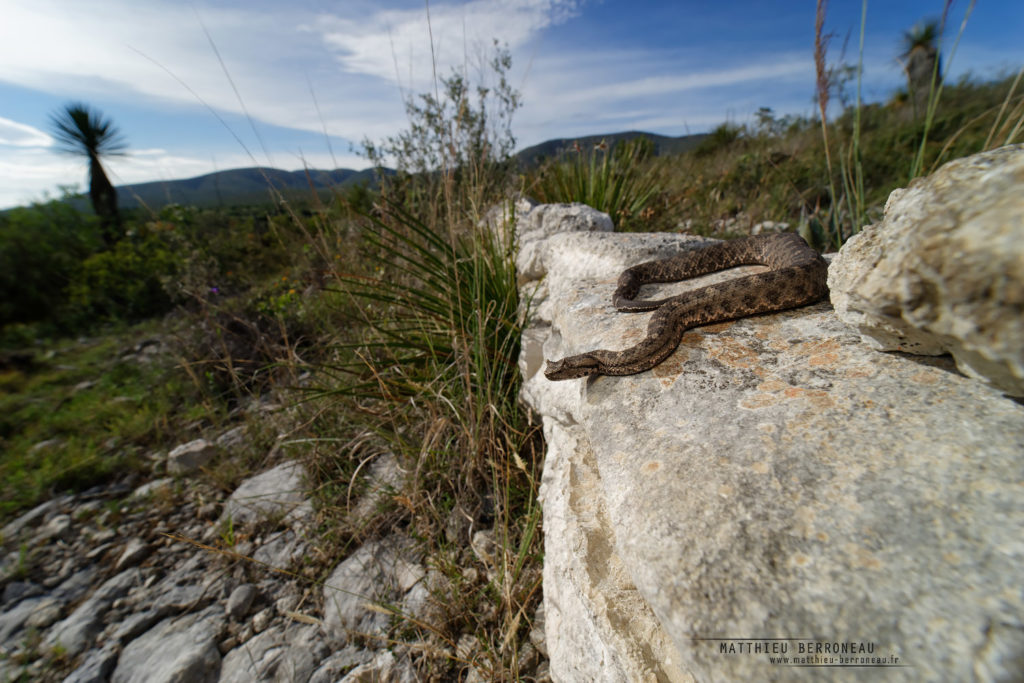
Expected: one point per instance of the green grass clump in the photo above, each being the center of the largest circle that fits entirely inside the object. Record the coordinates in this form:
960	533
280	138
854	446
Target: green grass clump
611	179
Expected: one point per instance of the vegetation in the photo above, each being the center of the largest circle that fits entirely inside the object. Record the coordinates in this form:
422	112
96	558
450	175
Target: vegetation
615	180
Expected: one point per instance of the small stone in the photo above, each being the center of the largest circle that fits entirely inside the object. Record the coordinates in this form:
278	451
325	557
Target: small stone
17	591
96	666
78	631
134	552
58	527
279	494
181	649
152	487
207	511
228	644
240	601
12	529
231	437
48	611
261	619
189	457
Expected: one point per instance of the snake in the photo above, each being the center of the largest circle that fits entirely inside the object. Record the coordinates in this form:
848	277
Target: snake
796	277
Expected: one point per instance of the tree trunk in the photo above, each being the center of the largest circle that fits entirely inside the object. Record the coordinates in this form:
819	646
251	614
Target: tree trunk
104	201
920	67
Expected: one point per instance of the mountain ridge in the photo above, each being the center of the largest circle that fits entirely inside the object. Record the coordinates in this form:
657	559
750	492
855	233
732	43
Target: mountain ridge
254	185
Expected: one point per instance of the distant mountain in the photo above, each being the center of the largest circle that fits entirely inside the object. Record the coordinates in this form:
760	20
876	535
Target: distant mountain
663	145
240	186
248	186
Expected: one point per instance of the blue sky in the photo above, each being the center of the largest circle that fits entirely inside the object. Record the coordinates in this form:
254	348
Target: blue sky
583	67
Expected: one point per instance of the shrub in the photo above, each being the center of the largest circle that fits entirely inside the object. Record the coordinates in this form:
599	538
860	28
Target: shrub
42	248
124	283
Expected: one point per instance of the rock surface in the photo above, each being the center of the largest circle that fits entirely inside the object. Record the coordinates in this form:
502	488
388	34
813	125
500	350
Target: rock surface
944	270
189	457
121	602
377	573
773	478
277	493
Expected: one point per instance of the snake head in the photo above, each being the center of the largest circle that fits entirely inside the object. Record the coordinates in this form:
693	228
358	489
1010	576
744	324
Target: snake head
572	367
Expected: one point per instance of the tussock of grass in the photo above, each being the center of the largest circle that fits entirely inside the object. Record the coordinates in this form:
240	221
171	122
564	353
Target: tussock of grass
434	379
611	179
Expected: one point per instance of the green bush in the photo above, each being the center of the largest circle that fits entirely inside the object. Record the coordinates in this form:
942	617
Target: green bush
42	248
125	283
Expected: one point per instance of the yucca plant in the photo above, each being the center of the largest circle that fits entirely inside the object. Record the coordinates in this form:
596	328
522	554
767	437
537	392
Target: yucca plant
614	179
437	365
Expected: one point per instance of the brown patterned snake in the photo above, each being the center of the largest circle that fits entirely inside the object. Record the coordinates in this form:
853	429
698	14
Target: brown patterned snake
796	278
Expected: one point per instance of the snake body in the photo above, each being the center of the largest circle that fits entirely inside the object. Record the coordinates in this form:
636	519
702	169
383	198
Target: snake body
796	278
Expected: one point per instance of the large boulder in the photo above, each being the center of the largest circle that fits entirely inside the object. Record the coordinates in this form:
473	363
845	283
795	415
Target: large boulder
773	479
944	270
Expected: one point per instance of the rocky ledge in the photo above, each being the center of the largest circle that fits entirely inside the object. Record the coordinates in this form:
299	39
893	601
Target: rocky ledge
776	488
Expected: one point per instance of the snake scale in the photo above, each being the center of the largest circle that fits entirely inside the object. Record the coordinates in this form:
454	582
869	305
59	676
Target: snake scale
796	278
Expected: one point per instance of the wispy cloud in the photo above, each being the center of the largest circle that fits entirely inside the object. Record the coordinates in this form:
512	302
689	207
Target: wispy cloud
124	49
22	135
395	45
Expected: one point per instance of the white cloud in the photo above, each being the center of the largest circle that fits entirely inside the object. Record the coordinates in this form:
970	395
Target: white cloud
395	45
22	135
121	49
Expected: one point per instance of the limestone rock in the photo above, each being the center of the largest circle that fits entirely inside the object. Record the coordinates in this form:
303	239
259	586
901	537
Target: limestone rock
278	493
384	477
384	667
944	270
774	477
335	667
379	571
13	618
96	666
189	457
534	226
181	649
40	512
135	550
281	549
78	631
152	487
277	654
240	600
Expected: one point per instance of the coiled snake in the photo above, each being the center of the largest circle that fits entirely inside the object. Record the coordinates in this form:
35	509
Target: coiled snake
796	278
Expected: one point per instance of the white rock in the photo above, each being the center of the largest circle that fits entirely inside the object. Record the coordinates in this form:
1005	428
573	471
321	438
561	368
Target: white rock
944	270
240	600
379	571
278	494
152	487
774	477
189	457
384	667
384	477
181	649
277	654
135	550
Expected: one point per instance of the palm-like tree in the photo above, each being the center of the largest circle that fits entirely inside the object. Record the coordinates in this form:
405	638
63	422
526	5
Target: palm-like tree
920	58
82	131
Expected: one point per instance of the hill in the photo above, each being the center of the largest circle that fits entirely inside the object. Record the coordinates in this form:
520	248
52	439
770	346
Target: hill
237	187
663	145
249	186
